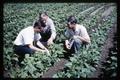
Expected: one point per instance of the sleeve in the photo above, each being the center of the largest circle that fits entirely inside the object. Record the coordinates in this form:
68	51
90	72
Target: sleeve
67	33
28	38
36	19
37	37
84	33
53	30
34	22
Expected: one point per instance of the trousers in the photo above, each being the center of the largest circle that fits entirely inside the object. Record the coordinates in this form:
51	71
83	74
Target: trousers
75	48
21	50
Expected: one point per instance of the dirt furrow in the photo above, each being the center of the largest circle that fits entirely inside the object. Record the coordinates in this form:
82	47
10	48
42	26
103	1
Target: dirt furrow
105	51
57	67
107	12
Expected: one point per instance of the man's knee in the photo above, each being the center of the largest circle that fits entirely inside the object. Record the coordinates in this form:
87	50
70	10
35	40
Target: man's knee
77	41
31	51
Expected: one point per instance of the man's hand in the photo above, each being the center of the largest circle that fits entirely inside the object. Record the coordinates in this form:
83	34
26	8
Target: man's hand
40	45
67	44
50	41
48	53
43	51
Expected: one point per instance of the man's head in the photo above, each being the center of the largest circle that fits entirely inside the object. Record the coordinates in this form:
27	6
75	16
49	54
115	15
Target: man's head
71	22
38	26
43	16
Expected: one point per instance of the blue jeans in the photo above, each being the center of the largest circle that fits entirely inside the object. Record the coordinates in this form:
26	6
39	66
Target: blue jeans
76	46
21	50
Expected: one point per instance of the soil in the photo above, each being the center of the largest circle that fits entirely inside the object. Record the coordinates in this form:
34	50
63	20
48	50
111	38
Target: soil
56	68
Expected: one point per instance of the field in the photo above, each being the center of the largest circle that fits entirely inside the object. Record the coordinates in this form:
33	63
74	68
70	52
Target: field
98	59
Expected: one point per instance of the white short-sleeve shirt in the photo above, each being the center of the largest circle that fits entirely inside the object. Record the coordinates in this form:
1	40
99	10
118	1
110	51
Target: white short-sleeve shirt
26	36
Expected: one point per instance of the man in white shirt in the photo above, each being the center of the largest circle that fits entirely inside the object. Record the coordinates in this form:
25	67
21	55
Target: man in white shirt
49	32
23	43
76	35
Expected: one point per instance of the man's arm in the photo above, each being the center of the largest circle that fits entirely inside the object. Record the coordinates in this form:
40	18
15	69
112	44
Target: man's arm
84	35
84	39
41	45
53	32
35	48
67	34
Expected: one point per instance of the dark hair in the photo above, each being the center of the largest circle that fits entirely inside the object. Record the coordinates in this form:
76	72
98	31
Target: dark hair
42	22
37	24
72	20
43	13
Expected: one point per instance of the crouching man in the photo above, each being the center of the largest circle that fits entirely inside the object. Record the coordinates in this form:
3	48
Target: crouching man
23	43
76	34
48	34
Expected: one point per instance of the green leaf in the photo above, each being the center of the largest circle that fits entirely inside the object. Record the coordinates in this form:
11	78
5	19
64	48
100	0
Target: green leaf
114	74
31	68
68	75
92	68
86	65
78	68
69	64
55	76
114	58
39	65
83	75
73	59
26	55
108	61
